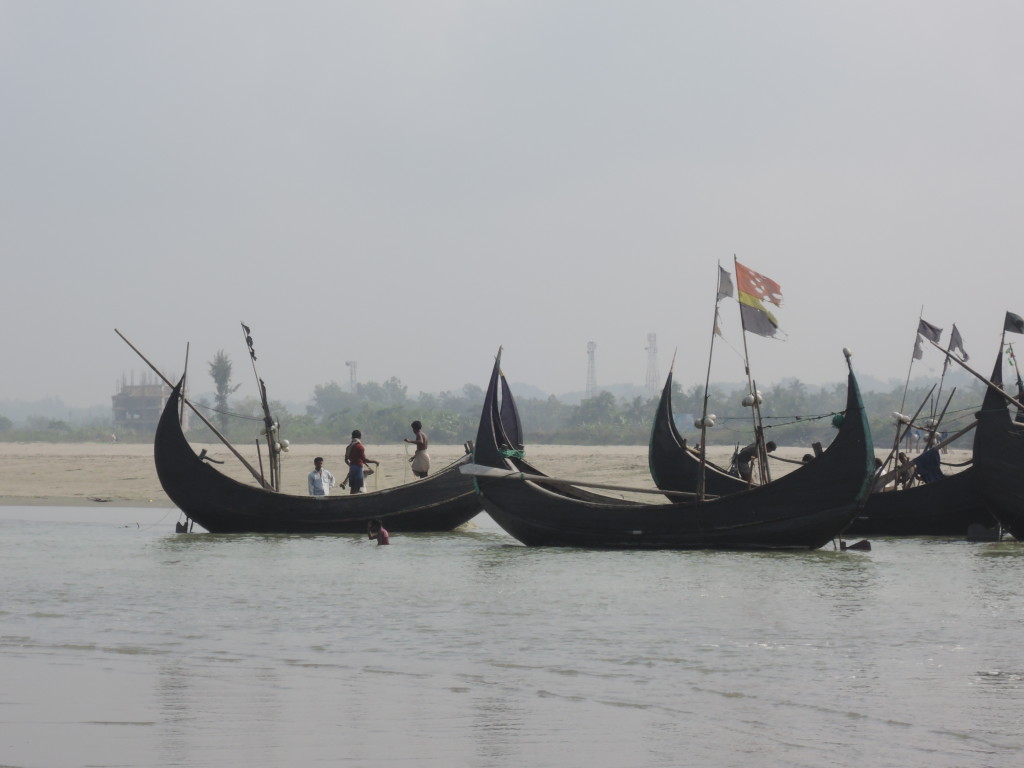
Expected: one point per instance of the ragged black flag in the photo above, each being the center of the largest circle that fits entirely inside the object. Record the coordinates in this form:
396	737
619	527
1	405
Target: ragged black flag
1013	323
725	288
956	344
929	331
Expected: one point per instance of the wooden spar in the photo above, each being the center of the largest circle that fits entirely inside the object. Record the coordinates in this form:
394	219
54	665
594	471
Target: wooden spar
184	381
274	457
195	410
910	423
707	384
494	473
968	368
932	432
884	479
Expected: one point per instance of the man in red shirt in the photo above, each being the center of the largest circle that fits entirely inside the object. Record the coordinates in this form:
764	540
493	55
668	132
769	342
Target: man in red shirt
356	458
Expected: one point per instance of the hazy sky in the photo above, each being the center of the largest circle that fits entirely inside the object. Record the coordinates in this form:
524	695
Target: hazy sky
412	184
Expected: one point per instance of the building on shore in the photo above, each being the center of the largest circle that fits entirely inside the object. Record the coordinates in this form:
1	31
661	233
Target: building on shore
137	406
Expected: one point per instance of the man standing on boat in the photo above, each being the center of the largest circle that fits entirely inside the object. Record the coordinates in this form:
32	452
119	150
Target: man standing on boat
320	480
355	457
421	459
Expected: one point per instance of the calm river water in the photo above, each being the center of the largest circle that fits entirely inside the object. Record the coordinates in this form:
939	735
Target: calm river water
124	644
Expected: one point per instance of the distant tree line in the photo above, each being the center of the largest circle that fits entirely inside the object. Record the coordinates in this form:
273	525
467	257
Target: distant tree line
793	414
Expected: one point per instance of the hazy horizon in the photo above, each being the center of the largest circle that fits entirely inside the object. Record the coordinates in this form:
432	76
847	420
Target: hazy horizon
412	185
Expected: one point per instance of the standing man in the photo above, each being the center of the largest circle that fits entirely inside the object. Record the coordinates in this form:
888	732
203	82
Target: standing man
355	457
320	480
421	459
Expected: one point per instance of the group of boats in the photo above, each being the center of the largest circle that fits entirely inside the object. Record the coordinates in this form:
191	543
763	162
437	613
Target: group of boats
703	506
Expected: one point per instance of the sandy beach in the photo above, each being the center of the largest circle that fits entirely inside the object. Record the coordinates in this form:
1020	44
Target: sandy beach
84	474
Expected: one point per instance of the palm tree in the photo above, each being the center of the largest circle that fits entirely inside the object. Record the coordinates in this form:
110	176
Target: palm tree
220	370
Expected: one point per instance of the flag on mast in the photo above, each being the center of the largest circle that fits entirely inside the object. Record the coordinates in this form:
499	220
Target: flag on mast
929	331
724	284
754	289
956	343
1013	323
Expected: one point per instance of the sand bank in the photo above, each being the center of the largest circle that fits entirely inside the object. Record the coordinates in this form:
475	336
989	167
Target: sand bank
83	474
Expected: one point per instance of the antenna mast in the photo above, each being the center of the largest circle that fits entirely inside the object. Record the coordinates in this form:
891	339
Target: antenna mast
591	370
653	378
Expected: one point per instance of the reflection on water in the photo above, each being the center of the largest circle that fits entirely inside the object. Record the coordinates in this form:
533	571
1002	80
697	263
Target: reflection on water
129	645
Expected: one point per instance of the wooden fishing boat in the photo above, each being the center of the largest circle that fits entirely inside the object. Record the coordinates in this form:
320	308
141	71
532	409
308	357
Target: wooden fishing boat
949	506
999	455
440	502
803	510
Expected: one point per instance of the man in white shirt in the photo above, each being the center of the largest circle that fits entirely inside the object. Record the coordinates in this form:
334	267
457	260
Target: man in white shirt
320	480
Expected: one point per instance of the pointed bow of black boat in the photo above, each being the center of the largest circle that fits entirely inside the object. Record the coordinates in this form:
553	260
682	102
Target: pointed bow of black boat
999	456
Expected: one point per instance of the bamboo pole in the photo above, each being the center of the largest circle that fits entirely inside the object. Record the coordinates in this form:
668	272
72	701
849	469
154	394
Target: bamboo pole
968	368
496	473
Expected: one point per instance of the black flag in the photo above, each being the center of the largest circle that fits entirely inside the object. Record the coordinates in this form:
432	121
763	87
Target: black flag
956	343
1014	323
929	331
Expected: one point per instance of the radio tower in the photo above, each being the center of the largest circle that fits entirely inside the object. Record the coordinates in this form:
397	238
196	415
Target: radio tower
653	379
352	380
591	371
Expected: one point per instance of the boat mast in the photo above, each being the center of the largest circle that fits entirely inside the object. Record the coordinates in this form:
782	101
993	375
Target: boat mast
270	428
755	406
715	331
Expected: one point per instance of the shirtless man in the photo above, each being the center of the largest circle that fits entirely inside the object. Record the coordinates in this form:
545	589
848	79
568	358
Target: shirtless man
421	459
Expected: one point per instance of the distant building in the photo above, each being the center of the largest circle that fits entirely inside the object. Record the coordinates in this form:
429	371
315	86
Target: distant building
137	407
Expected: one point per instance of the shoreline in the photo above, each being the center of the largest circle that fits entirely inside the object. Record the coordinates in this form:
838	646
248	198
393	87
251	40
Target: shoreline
124	475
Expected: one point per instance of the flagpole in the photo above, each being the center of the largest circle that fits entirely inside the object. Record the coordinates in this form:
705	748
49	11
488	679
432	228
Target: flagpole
906	384
942	378
707	384
755	408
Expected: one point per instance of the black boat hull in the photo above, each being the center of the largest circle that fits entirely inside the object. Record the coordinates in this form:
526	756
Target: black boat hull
804	510
999	457
945	507
440	502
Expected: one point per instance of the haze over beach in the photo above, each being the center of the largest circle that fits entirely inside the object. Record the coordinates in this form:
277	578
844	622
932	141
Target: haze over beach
410	185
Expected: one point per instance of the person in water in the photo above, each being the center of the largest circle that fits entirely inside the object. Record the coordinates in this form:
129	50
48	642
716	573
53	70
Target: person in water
421	459
375	530
356	458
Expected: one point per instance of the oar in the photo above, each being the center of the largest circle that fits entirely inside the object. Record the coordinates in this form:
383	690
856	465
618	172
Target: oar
494	473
